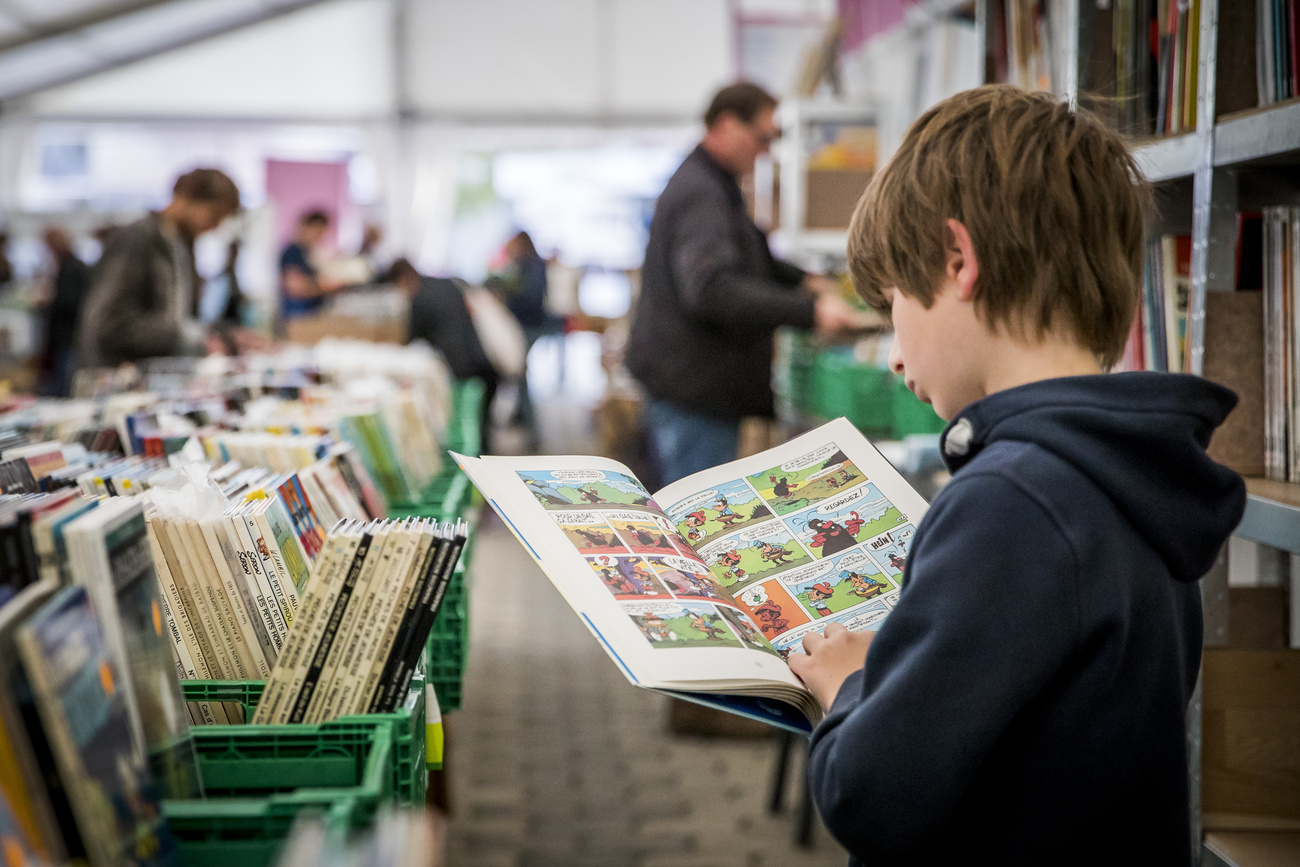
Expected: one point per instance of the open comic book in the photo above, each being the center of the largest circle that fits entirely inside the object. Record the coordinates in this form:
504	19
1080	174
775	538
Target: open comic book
703	589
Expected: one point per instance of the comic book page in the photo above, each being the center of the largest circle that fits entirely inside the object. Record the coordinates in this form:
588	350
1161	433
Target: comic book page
630	574
812	532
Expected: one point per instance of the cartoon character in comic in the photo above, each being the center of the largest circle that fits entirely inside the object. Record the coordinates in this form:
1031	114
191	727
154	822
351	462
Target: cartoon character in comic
772	553
595	538
782	487
617	581
784	652
770	619
833	537
746	629
730	560
864	586
832	482
643	579
846	476
817	595
694	521
726	515
701	586
655	628
897	562
649	540
699	624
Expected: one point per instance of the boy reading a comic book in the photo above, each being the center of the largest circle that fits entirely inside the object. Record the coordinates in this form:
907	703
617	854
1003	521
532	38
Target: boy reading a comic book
1025	702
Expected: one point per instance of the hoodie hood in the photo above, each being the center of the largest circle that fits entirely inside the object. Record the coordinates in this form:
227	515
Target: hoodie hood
1139	437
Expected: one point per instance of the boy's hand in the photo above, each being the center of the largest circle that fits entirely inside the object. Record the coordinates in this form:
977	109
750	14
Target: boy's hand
831	658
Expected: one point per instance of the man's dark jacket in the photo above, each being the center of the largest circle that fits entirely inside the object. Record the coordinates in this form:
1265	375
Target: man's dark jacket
711	296
440	317
130	313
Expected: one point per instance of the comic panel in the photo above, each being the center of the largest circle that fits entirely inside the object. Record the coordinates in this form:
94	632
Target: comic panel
628	577
644	534
843	522
890	549
856	621
687	577
838	583
585	489
750	635
589	532
723	509
681	624
772	608
754	553
808	480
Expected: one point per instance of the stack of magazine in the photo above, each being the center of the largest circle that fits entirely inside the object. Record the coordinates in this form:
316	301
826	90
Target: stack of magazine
365	613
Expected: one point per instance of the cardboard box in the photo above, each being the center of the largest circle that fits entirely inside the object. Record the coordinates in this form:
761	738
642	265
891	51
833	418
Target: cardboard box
309	330
832	196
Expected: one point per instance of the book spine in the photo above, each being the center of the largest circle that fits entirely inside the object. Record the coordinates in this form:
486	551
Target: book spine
191	591
421	632
243	608
218	604
366	636
249	562
385	691
286	678
361	600
328	630
389	624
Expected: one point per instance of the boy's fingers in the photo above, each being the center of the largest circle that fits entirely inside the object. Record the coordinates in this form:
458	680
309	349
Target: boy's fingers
835	629
812	641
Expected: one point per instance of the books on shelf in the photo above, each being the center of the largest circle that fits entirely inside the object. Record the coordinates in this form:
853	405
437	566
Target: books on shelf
1277	67
366	611
703	589
1281	247
1158	337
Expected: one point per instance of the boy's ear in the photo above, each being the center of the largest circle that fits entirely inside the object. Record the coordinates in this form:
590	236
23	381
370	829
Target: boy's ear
960	266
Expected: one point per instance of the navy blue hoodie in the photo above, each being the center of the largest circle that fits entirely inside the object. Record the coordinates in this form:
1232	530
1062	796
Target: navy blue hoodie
1025	702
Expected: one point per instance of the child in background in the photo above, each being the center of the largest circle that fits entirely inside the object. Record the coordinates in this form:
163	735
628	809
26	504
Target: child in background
1025	702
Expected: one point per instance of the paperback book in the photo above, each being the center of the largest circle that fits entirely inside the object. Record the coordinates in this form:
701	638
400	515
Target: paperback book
705	588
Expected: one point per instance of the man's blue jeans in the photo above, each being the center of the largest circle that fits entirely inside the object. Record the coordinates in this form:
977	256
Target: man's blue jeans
685	442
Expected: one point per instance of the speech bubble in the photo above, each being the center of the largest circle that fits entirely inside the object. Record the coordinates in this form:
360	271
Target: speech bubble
854	561
884	540
569	519
828	471
753	534
639	517
754	596
690	504
810	459
604	560
717	548
807	573
681	564
843	501
665	610
578	475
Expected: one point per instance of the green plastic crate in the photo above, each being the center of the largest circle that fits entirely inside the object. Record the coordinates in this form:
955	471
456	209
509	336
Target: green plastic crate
446	650
409	778
260	778
911	415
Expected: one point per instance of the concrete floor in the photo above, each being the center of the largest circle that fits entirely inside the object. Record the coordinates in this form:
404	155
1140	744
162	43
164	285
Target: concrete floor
556	759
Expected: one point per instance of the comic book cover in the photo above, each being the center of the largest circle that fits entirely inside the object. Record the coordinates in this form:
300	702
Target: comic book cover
84	710
741	561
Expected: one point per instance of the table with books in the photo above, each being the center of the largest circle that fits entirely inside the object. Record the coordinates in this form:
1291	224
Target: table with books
225	607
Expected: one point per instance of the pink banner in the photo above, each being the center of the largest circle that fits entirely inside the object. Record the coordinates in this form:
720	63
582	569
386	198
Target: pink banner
864	19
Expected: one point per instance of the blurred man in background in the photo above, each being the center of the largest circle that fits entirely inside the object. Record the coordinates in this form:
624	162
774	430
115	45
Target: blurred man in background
712	294
70	283
144	294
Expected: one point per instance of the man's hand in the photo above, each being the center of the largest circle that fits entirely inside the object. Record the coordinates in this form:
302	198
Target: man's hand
832	315
822	285
831	658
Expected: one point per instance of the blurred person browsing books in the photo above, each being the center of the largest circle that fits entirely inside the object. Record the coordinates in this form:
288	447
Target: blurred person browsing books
302	288
70	282
144	293
440	317
712	294
1026	699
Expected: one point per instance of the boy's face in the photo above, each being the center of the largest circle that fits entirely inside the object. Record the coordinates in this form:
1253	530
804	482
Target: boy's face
940	350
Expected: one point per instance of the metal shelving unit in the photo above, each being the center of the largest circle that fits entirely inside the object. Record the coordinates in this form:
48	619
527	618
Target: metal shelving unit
1216	156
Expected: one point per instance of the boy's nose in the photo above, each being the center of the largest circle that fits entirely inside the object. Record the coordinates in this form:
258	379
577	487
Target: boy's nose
895	356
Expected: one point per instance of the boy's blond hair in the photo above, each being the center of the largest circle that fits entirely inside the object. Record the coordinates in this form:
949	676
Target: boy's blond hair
1053	201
